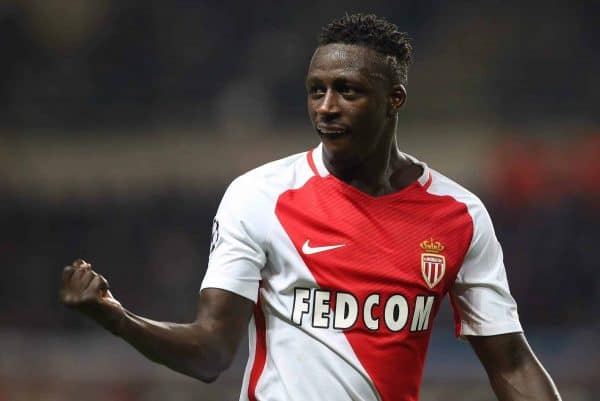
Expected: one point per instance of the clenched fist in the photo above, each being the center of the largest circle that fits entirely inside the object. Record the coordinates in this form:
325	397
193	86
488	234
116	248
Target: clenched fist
87	291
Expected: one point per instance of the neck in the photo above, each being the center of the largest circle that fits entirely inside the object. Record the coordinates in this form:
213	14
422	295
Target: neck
383	171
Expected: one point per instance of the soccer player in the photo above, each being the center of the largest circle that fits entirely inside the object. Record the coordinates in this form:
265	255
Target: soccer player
337	259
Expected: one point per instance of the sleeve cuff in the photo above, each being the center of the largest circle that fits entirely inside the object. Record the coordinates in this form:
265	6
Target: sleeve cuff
492	329
247	289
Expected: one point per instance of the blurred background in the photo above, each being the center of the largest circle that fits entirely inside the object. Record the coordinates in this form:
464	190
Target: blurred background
122	122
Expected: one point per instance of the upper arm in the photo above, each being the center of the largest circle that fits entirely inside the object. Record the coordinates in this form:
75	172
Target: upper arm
239	245
230	286
501	353
481	298
225	316
487	315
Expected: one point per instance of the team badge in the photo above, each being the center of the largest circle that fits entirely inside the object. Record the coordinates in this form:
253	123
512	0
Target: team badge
433	265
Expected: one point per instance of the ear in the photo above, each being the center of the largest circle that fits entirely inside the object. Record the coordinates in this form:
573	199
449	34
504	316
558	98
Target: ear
397	98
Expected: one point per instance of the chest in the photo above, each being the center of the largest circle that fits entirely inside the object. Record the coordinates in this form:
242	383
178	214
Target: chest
412	242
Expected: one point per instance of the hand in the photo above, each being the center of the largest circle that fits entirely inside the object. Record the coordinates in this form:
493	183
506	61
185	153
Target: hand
88	292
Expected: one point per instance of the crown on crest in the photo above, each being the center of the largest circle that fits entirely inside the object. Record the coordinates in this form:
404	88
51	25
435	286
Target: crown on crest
430	245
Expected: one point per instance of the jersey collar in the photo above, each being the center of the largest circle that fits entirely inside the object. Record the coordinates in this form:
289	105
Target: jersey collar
317	158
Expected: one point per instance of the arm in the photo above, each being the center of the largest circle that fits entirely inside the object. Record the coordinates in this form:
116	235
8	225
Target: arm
514	372
201	349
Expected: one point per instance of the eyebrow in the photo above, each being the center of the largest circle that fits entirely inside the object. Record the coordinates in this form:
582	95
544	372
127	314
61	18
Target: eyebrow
351	75
337	80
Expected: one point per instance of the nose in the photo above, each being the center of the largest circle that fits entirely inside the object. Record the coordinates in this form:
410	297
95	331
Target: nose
328	104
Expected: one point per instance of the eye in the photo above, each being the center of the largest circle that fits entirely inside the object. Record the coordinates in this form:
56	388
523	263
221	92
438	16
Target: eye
349	92
316	91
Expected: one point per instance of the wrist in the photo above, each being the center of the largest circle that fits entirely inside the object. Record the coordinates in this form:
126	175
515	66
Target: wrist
115	321
110	317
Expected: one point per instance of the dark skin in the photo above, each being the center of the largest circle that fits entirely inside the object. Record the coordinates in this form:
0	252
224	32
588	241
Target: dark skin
353	105
201	349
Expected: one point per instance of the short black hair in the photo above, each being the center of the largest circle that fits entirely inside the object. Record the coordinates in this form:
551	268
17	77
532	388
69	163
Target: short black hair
375	33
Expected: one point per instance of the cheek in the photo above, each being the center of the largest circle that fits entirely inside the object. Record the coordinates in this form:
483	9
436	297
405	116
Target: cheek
311	107
371	116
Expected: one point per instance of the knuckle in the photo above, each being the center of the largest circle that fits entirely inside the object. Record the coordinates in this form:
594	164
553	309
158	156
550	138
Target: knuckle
78	263
80	273
104	280
94	283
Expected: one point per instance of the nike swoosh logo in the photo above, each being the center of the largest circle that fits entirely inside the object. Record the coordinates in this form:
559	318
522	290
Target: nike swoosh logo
309	250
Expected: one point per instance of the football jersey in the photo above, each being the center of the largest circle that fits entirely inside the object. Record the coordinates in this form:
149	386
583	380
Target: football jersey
347	285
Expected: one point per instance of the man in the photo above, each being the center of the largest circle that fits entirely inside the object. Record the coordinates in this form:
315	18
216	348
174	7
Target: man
340	257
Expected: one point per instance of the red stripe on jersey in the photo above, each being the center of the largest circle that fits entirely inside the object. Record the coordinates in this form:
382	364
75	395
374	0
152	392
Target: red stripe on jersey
457	325
260	353
381	255
428	183
311	163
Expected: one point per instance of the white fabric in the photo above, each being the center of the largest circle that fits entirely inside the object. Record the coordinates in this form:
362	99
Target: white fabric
480	292
253	246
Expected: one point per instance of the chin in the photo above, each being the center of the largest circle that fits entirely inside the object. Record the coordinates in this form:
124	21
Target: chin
339	153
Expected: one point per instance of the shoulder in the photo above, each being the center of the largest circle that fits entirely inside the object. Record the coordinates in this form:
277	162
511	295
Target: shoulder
441	185
272	178
249	201
255	192
452	194
482	227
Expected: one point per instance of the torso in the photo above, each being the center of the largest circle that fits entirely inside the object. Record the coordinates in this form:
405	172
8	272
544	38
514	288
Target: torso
348	294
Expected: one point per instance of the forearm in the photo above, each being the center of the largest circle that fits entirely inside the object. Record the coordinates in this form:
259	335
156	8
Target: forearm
524	379
514	371
190	349
529	382
202	349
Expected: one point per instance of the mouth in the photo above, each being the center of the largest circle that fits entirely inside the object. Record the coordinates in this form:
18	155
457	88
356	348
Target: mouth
331	132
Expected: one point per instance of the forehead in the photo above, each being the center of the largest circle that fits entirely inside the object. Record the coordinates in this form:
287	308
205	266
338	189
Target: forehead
348	60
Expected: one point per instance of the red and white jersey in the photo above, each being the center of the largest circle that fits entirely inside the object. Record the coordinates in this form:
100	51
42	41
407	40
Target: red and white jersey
347	285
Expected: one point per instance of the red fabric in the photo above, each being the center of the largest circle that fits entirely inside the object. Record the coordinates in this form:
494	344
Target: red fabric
260	355
456	314
381	254
311	162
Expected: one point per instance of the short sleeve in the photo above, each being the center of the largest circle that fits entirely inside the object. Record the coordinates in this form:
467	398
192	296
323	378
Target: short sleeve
480	296
237	250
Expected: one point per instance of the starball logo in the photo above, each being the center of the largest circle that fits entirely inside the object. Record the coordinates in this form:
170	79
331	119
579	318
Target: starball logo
215	238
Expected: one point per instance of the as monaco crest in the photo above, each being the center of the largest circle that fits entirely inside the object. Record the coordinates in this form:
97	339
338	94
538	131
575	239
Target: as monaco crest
433	265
